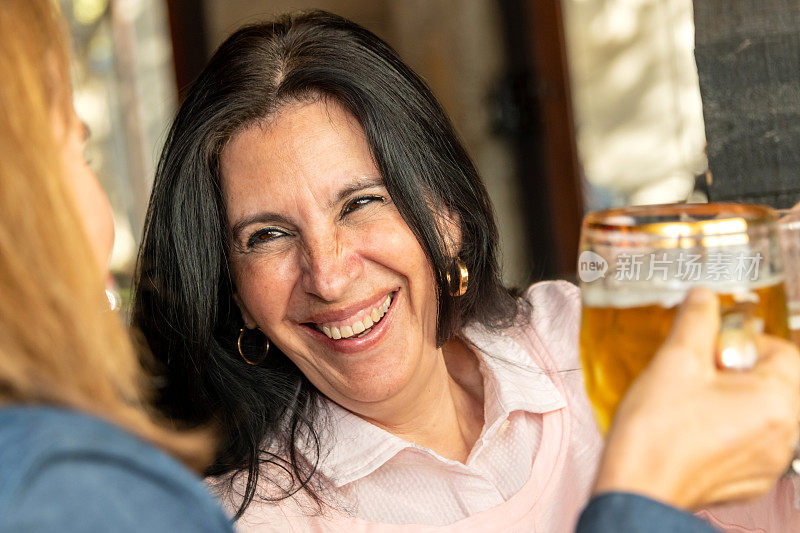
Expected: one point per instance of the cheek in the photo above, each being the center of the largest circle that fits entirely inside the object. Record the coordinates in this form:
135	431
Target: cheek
393	245
95	211
389	240
265	287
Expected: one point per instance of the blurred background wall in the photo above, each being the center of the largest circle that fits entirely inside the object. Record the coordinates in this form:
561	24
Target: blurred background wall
124	90
564	105
638	113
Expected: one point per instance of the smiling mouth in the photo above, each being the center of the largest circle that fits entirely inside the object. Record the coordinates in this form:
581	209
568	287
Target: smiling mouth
360	327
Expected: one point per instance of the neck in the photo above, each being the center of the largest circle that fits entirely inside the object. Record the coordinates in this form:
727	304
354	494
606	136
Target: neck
444	413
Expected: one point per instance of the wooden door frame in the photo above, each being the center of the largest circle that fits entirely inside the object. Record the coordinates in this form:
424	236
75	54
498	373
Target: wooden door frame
547	155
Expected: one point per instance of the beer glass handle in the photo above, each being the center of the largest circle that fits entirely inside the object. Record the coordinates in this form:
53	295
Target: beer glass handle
795	466
737	348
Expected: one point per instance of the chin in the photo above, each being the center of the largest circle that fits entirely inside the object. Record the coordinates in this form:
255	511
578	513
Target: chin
372	385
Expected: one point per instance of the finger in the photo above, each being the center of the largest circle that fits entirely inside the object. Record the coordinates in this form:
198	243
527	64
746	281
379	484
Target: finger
778	359
738	491
696	325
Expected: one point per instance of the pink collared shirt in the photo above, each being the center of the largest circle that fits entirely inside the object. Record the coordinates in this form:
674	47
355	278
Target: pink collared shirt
531	469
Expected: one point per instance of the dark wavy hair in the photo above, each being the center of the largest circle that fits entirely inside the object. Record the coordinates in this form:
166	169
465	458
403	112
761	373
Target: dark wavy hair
183	294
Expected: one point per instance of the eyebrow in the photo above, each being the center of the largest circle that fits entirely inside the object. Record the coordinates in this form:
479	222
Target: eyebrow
266	217
366	182
260	218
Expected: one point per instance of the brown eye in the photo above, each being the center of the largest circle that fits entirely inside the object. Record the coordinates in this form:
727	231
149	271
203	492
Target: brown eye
264	236
358	203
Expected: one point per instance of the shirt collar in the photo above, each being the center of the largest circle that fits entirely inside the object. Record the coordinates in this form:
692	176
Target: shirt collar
512	381
353	448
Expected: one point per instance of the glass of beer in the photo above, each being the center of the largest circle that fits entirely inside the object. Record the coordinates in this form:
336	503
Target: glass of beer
789	225
636	265
789	231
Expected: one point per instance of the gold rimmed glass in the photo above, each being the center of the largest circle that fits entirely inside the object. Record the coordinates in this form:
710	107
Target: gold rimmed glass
637	264
789	229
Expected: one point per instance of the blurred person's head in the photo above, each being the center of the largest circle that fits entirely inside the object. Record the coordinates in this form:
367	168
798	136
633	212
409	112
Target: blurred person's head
59	342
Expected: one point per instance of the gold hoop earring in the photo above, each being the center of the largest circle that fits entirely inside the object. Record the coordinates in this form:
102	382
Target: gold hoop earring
246	360
463	279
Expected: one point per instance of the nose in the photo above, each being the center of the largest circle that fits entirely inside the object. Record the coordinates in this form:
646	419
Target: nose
330	267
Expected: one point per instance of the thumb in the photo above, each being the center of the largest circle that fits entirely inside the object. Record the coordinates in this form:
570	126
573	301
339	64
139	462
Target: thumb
696	325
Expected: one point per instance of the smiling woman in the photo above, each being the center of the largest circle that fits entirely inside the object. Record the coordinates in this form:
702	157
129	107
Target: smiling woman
319	277
318	249
313	189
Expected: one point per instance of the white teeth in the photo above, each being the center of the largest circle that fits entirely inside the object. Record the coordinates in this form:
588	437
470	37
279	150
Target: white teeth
360	326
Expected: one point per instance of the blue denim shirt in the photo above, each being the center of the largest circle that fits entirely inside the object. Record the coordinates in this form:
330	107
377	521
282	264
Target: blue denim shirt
619	512
65	471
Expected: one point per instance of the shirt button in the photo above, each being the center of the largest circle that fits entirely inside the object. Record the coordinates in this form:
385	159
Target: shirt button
504	426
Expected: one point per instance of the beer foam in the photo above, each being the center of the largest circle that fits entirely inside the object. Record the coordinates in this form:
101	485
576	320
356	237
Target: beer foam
639	295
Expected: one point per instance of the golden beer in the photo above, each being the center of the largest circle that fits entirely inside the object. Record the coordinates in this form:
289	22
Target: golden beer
637	265
618	342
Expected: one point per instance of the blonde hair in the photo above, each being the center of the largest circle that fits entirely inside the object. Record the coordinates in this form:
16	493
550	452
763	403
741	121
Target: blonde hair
59	343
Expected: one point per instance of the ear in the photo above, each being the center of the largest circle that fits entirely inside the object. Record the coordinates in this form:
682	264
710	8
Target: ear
246	316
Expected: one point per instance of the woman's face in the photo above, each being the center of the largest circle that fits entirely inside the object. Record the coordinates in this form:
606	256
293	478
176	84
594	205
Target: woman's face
319	251
89	197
